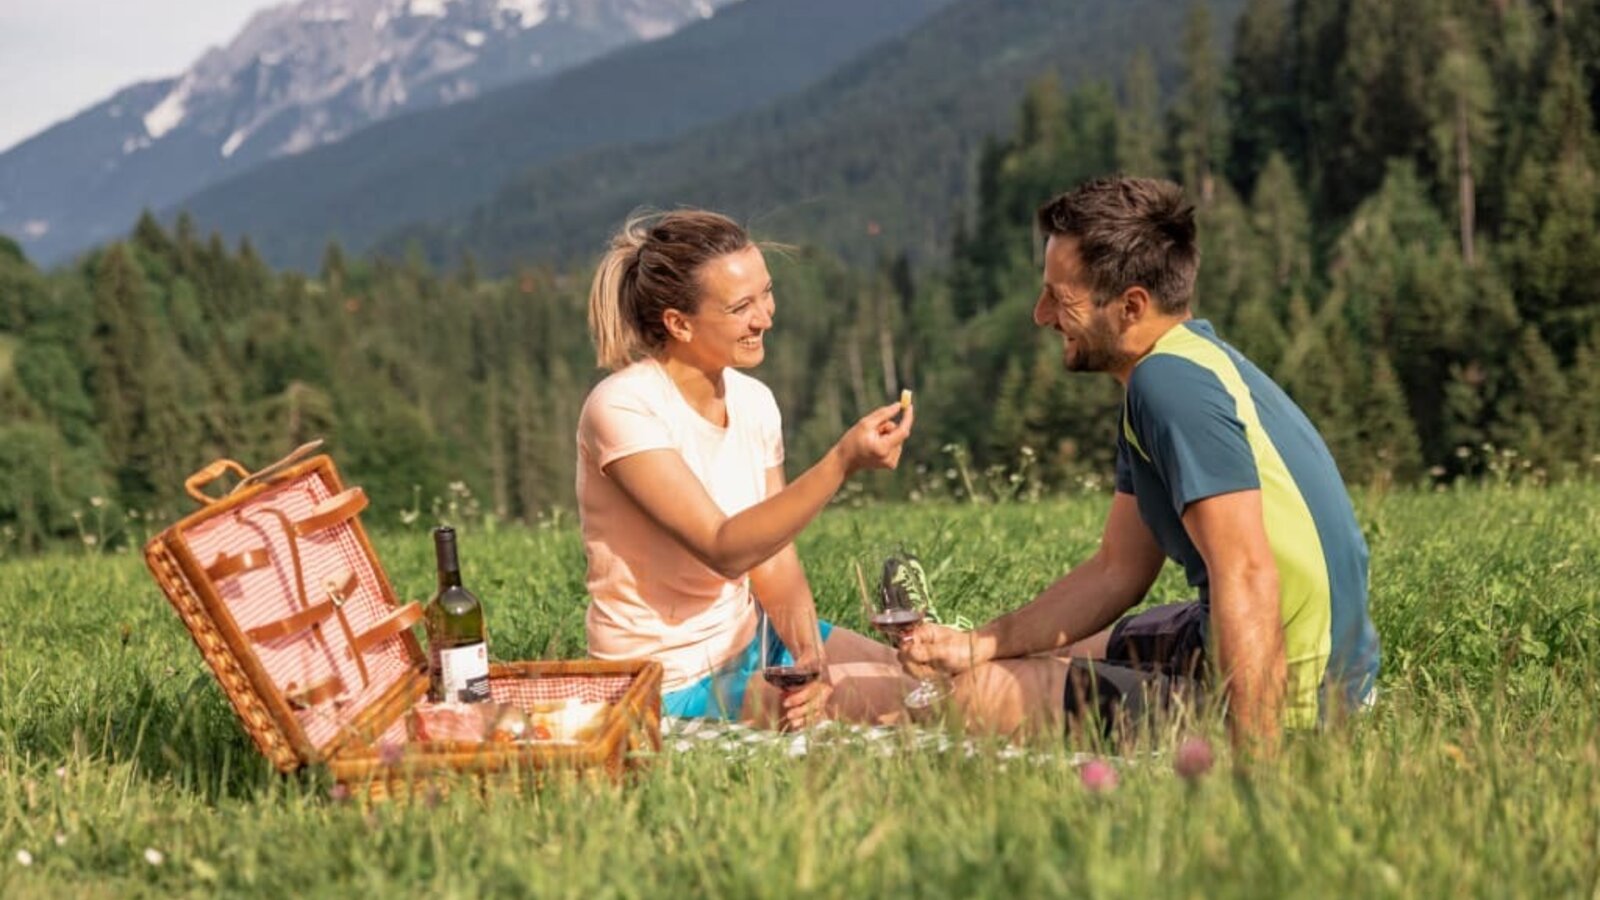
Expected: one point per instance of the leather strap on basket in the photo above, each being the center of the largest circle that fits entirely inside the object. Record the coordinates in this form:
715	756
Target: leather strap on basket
228	565
335	510
337	592
392	625
317	694
294	624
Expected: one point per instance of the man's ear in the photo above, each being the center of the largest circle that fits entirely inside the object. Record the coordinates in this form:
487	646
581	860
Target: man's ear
1136	304
677	325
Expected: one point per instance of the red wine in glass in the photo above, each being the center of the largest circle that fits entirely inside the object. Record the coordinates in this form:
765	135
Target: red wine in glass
790	678
895	624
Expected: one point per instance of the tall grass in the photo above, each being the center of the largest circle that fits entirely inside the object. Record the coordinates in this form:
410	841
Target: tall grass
123	771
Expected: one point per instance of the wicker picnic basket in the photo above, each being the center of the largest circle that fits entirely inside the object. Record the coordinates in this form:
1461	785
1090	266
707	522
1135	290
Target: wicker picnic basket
279	586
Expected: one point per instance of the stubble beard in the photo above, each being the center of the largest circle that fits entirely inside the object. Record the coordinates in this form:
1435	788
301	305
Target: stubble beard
1094	349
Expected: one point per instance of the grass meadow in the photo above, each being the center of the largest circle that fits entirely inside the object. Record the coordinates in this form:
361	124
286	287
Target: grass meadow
123	771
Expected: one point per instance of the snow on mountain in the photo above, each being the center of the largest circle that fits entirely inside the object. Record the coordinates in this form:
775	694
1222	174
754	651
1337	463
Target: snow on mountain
299	75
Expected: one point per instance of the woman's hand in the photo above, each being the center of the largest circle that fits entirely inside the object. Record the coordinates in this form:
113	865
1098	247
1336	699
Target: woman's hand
803	707
933	650
875	441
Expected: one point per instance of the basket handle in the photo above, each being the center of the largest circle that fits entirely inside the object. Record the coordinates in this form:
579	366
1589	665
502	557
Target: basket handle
194	483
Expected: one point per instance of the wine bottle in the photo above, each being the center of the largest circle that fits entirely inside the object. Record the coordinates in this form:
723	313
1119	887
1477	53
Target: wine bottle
458	648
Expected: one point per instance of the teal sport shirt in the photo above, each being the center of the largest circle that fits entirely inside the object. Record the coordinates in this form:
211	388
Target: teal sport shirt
1200	420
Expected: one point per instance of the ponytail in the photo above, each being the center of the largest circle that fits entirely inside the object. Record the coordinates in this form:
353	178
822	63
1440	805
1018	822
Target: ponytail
611	326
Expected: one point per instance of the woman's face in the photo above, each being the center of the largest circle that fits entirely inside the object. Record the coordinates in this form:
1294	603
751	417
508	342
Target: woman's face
736	309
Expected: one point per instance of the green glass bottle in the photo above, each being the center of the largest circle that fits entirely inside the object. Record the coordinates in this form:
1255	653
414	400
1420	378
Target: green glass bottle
458	647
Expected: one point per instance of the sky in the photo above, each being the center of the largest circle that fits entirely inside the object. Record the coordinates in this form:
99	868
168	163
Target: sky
58	57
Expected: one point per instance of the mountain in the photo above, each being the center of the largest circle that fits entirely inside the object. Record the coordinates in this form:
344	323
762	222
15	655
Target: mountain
872	160
440	162
299	76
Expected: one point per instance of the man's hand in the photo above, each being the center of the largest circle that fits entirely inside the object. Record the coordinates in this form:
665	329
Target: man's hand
805	706
932	650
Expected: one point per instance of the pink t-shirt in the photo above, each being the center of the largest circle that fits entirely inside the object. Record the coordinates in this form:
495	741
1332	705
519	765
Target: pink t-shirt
649	596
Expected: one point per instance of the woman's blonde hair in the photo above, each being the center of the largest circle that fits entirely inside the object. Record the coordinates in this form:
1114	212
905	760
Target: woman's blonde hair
652	266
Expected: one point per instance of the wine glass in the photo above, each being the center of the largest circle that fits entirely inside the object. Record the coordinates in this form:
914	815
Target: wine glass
790	669
900	604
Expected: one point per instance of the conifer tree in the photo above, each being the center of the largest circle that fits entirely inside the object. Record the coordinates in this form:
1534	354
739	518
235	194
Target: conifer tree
1259	91
1551	238
1199	118
1386	424
120	350
1139	131
1584	388
1461	104
1283	223
1532	410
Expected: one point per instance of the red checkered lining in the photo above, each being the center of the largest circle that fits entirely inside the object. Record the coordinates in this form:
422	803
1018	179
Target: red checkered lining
267	595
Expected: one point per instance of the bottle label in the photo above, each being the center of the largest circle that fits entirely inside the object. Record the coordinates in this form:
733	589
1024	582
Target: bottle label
464	673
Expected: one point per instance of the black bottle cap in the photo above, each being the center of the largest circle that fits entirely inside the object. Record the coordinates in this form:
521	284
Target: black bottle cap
444	546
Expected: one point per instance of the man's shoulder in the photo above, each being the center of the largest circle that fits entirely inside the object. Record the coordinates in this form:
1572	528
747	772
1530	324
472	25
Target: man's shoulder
1168	384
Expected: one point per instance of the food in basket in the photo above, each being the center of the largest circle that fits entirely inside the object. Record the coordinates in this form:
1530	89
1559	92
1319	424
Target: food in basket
504	723
565	720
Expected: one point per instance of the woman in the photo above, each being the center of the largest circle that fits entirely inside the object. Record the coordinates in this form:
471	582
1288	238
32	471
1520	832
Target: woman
687	521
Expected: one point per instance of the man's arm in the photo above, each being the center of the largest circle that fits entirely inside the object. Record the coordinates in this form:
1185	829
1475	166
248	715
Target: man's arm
1080	604
1246	614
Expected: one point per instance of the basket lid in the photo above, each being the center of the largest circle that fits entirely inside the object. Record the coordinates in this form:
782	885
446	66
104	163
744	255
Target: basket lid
286	600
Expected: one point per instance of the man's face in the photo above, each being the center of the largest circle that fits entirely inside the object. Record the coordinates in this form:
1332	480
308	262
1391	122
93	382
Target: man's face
1090	335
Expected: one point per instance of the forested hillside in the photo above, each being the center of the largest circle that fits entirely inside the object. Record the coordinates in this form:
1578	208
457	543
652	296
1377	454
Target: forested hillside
864	164
1398	215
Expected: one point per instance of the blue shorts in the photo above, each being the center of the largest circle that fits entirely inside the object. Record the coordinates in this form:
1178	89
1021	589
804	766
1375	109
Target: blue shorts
720	695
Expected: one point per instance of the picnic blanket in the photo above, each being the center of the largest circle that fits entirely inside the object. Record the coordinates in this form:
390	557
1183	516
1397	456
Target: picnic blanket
735	740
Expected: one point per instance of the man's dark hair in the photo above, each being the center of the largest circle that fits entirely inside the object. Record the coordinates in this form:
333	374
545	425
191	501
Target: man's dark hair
1130	231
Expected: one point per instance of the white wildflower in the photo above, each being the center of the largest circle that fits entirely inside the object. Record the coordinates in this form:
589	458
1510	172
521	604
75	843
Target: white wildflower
153	856
24	858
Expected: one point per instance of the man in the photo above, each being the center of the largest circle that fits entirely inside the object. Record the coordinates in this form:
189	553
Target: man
1217	469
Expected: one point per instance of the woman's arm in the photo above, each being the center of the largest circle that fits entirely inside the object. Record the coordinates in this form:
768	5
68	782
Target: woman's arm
669	493
780	586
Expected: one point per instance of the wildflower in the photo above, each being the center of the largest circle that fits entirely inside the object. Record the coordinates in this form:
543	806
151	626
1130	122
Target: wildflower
24	858
61	771
61	839
97	502
153	856
1193	758
391	752
339	793
1098	776
90	540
